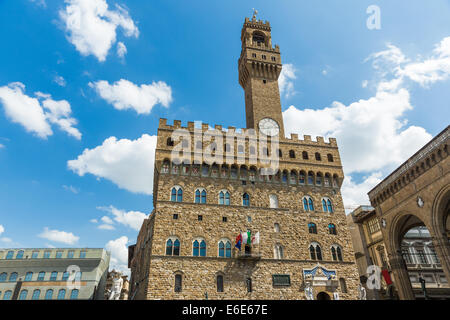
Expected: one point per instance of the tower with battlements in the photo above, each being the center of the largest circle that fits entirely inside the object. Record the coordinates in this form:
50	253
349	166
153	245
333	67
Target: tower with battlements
212	184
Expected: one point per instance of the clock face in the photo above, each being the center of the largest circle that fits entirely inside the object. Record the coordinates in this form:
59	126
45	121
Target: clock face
269	127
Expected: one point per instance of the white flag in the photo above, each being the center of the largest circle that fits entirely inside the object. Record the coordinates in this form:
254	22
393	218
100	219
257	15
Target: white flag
255	239
244	238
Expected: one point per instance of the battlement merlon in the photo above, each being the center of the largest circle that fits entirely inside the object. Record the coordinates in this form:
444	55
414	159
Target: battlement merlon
205	127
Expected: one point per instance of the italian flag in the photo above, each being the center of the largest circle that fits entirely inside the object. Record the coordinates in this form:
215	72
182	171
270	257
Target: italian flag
246	237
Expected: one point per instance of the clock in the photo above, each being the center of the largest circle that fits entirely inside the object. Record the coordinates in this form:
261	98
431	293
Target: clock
269	127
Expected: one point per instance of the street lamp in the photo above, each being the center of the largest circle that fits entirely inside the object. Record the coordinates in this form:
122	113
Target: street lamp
424	289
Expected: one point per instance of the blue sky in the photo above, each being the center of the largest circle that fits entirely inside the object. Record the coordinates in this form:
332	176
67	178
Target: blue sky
181	62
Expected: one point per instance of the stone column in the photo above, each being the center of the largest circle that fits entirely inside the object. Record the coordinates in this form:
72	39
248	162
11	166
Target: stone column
401	277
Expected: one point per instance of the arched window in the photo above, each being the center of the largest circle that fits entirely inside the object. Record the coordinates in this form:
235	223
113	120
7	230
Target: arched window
224	198
308	204
246	200
225	248
292	154
203	248
13	277
327	179
330	207
176	194
169	247
273	199
49	294
252	150
74	294
178	283
61	294
305	155
53	276
219	281
293	177
205	170
312	228
173	247
36	294
165	167
332	228
284	177
200	196
23	295
315	251
29	276
169	142
175	168
330	157
301	177
199	248
319	179
326	205
65	275
310	178
9	255
336	253
3	277
343	285
318	157
19	254
7	295
335	181
240	149
280	153
278	251
276	227
249	284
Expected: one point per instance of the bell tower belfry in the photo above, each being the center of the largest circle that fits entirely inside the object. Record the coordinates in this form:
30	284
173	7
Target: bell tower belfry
259	69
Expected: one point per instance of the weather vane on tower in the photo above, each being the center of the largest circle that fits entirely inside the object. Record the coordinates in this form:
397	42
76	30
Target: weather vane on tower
255	13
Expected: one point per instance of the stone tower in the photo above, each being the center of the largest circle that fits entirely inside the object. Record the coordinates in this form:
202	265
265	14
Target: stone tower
186	248
259	69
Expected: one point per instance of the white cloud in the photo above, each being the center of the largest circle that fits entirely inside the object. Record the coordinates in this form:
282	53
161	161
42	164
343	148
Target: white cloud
355	194
285	81
6	240
94	220
119	254
40	3
124	94
2	146
121	49
127	163
435	68
91	26
34	116
2	229
132	219
105	226
373	134
60	80
364	83
71	189
24	110
59	236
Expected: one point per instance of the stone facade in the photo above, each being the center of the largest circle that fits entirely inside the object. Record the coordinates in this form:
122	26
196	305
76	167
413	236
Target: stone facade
275	208
416	194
